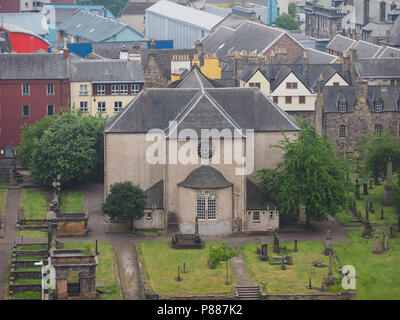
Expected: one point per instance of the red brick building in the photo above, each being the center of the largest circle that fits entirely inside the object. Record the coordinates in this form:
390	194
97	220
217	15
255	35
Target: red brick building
31	87
8	6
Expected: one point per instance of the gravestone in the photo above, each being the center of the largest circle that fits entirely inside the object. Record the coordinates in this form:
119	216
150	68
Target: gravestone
295	246
366	210
283	265
264	252
276	243
357	191
391	235
367	232
330	279
378	247
309	283
196	226
388	201
365	188
178	278
382	217
385	242
371	207
184	267
328	243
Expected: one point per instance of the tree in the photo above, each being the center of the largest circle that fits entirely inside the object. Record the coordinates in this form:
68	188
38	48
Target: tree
71	145
312	175
286	21
125	201
221	252
396	192
115	6
292	9
29	134
377	150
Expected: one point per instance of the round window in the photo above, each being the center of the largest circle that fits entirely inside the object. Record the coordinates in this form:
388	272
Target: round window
205	150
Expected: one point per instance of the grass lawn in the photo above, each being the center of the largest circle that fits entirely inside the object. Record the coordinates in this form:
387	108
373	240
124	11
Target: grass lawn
376	195
160	264
72	201
33	234
33	203
4	183
32	247
295	278
378	276
3	194
28	281
105	270
28	295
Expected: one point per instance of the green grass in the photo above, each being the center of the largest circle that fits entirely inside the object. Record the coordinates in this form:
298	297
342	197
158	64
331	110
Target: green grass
32	247
28	295
105	270
4	183
72	201
378	276
376	195
33	204
160	263
29	269
295	278
28	281
33	234
31	258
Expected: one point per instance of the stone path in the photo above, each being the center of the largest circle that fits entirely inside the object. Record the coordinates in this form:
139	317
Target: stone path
127	270
239	265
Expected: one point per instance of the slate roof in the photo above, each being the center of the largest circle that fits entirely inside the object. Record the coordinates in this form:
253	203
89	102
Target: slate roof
32	66
205	177
34	22
254	198
112	50
232	21
92	27
155	196
194	79
340	44
4	42
136	8
319	57
198	18
390	96
390	52
245	108
378	68
249	36
366	49
106	71
377	29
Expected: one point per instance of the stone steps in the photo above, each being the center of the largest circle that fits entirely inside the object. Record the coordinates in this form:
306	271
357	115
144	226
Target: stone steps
248	292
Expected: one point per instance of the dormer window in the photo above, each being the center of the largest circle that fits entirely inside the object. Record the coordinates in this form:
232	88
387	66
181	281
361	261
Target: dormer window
342	107
378	106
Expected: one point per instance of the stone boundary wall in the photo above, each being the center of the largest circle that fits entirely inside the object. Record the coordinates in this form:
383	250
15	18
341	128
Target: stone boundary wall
31	253
3	214
16	288
25	263
26	274
146	293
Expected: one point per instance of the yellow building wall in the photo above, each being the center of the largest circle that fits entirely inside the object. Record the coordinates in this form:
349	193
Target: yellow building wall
211	67
92	100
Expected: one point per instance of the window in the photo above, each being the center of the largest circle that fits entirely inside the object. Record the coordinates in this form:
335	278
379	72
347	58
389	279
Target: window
275	99
101	89
378	106
124	89
50	89
271	215
50	110
206	206
25	111
255	84
302	99
342	107
336	84
135	88
291	85
149	216
25	89
256	216
288	100
378	129
342	131
117	106
83	90
83	106
115	89
101	106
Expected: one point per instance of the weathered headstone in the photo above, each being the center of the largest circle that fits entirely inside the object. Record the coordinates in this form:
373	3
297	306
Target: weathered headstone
283	264
385	242
178	278
365	188
264	252
295	246
328	243
371	207
357	191
377	248
184	267
366	210
391	235
196	225
276	243
388	201
367	232
330	279
382	217
309	283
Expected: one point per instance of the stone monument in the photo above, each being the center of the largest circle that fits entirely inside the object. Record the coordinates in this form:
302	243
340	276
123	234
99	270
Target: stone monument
378	247
328	243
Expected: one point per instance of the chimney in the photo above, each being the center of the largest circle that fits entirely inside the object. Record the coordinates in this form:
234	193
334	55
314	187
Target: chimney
199	50
361	95
346	62
65	51
319	107
123	53
353	61
305	65
366	12
382	11
387	36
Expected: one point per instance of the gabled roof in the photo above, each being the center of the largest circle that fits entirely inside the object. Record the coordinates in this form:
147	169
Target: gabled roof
205	177
232	21
340	44
194	79
246	108
93	27
107	70
366	49
378	29
155	196
254	198
32	66
34	22
185	14
378	68
249	36
390	52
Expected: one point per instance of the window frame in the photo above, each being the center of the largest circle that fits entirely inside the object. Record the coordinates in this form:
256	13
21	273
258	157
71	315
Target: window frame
288	99
83	92
135	91
24	93
123	92
23	111
101	89
380	131
254	215
53	109
302	99
115	90
342	131
98	106
119	108
86	108
52	92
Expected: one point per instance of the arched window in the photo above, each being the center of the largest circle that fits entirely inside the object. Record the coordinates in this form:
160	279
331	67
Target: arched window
206	206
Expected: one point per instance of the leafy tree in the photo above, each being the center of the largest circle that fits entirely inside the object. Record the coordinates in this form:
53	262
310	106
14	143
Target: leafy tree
125	201
29	134
221	252
292	9
71	145
311	175
286	21
115	6
377	150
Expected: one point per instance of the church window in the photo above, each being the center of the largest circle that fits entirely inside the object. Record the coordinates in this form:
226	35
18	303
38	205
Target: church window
206	206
